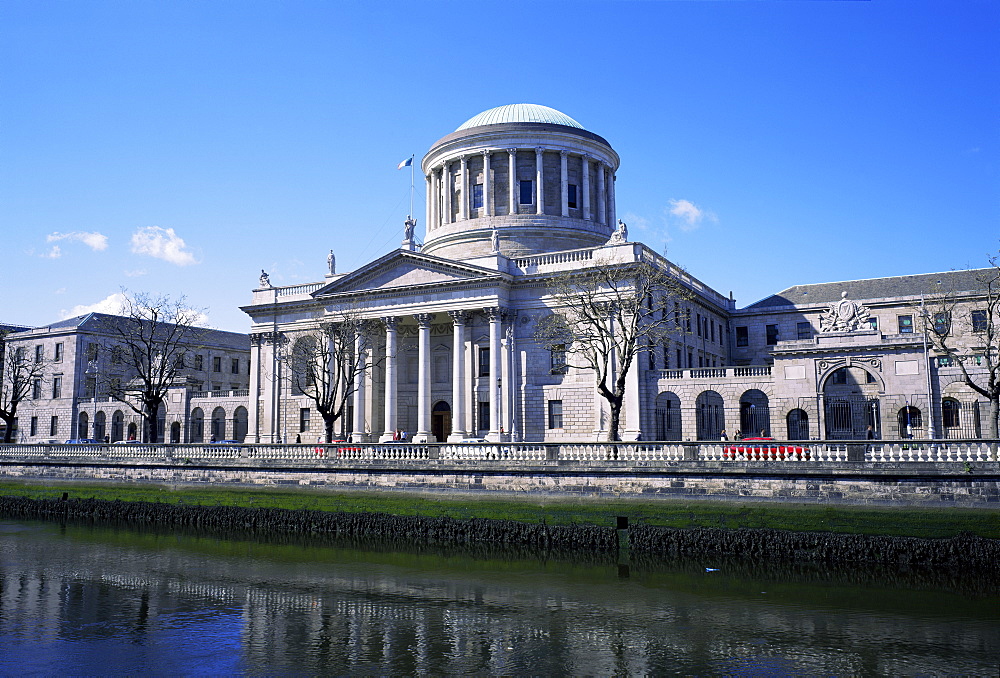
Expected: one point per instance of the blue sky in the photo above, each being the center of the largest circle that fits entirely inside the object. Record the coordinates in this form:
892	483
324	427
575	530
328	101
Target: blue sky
181	147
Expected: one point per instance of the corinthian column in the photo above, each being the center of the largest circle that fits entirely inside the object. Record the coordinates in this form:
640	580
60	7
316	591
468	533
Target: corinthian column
495	315
390	379
602	196
564	183
423	433
358	435
539	193
512	188
458	417
586	187
463	191
487	186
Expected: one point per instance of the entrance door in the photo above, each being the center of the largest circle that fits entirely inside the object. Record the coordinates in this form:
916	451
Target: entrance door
441	421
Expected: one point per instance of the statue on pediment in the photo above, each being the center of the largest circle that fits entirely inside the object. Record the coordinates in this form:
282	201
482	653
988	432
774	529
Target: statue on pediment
844	316
495	241
620	234
331	263
265	279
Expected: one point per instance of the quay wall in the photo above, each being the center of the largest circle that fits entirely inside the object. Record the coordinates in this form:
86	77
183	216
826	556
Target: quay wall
917	484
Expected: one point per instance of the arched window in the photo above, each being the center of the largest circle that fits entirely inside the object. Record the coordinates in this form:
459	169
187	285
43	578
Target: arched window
83	426
117	426
175	432
755	414
711	415
100	420
240	424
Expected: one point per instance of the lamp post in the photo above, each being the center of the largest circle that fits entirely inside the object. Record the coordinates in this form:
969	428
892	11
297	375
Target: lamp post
499	423
92	372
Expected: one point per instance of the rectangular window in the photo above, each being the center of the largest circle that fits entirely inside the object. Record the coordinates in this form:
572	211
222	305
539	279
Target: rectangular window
701	361
484	362
690	360
117	355
557	359
803	330
59	353
555	414
905	324
873	323
942	322
651	354
666	356
526	191
687	319
36	389
179	361
199	362
90	387
92	352
742	336
711	329
303	419
484	416
680	365
57	387
571	196
772	334
34	426
699	324
979	321
39	353
477	196
54	425
217	364
236	365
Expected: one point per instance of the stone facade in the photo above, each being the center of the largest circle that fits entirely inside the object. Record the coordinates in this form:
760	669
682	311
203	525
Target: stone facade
522	194
209	399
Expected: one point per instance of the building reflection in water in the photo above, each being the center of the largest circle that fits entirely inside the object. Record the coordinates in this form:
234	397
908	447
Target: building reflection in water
102	601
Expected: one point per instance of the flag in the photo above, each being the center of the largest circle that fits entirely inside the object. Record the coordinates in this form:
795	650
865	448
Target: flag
405	163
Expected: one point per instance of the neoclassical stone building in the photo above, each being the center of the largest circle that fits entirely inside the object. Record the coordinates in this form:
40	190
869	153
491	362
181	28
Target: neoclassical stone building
521	193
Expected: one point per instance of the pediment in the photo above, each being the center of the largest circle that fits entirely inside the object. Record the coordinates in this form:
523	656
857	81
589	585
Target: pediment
404	269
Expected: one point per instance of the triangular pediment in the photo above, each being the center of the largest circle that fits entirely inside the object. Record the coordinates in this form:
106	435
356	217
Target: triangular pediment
404	269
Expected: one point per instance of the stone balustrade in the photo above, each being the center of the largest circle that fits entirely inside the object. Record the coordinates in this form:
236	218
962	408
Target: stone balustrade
640	453
743	373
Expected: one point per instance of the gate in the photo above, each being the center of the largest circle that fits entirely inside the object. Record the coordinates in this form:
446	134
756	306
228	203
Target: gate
849	416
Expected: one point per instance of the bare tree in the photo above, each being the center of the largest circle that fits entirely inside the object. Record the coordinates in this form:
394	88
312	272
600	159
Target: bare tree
604	317
967	332
325	365
18	375
149	340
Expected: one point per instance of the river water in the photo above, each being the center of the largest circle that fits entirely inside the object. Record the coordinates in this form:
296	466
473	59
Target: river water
95	600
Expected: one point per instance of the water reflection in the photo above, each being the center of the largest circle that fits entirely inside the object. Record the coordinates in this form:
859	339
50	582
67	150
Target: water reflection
78	599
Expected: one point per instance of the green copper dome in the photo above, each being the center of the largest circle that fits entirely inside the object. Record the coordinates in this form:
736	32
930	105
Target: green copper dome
520	113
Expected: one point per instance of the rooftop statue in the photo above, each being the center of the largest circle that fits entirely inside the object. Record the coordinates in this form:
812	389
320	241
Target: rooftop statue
844	316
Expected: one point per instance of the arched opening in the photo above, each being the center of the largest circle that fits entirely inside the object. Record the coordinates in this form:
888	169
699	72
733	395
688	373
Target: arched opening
798	425
909	421
851	405
755	414
951	418
161	424
100	420
197	425
240	424
175	432
218	424
117	426
667	417
441	421
711	415
83	426
133	431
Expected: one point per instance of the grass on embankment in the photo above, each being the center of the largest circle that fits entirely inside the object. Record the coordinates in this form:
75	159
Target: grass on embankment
891	521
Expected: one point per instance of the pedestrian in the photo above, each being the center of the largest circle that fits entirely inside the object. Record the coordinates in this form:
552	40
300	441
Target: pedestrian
723	436
298	438
871	432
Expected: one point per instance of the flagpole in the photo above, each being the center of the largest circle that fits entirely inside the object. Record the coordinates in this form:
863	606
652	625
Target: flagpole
411	186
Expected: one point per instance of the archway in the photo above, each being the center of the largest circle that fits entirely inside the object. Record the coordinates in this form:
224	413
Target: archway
133	431
117	426
240	424
667	417
755	414
711	415
851	405
218	424
197	433
909	422
798	425
100	420
441	421
175	432
83	425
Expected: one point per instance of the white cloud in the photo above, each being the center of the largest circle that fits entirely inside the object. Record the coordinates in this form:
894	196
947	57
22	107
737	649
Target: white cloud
135	273
95	241
687	215
162	243
53	253
634	221
111	304
61	290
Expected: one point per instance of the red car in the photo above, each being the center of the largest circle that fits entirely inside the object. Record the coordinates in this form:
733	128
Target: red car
756	451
